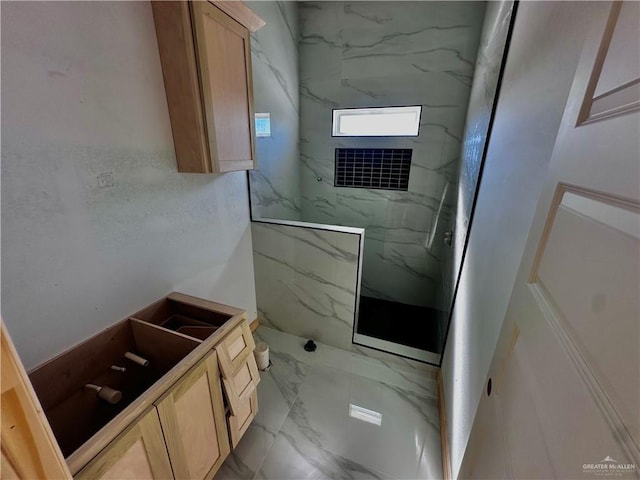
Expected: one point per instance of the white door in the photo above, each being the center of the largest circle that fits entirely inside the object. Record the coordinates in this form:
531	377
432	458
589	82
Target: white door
565	400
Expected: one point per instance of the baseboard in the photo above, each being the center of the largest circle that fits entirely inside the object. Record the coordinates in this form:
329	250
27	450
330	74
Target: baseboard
254	324
444	432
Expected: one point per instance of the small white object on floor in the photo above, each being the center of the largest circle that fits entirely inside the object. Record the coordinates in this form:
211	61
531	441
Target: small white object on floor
261	353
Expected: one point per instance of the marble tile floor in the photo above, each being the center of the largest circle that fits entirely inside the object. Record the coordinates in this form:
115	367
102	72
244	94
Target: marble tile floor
304	429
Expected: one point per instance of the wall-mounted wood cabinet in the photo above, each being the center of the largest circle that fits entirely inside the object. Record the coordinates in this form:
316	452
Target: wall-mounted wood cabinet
206	64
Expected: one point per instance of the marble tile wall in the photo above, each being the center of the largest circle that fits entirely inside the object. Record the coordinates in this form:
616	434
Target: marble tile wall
275	185
307	280
306	285
356	54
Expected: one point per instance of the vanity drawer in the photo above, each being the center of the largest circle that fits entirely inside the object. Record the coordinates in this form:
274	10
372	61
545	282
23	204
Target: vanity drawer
234	350
238	366
242	385
239	422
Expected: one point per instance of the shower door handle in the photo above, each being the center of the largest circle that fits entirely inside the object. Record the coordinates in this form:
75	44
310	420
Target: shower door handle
448	237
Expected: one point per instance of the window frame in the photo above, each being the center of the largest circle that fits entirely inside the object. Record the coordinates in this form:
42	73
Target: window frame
336	114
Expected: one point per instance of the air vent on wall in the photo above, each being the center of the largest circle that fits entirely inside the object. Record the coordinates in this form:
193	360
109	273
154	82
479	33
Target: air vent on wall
376	168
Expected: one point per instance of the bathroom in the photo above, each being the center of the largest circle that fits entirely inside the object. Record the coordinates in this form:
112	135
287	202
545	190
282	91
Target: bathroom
367	273
311	261
384	283
405	165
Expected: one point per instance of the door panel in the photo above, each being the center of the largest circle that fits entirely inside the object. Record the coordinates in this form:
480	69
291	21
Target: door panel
521	421
133	464
225	67
568	388
487	459
614	87
595	244
139	453
192	418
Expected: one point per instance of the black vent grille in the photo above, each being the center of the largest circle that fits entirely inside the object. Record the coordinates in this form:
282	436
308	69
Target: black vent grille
377	168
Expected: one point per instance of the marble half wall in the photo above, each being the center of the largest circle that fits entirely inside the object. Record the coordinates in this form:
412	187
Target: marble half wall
307	279
365	54
275	184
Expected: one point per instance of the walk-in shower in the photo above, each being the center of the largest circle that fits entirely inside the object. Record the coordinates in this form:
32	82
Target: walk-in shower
403	183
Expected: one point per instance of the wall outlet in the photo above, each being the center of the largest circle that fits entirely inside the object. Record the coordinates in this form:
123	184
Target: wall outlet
105	180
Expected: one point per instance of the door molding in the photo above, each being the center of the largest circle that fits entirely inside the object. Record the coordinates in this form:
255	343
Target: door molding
616	101
561	189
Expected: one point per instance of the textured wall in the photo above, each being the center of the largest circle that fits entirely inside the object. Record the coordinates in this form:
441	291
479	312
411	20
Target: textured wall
355	54
275	185
83	105
543	55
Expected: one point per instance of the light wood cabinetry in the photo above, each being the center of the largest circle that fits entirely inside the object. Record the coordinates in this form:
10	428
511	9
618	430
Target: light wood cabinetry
234	350
193	421
206	63
139	453
224	55
172	420
239	422
238	366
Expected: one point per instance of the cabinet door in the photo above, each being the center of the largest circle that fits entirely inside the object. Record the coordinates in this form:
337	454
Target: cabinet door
224	61
139	453
193	420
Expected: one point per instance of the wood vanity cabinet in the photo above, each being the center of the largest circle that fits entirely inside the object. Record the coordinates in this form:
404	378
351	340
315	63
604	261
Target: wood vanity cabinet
180	414
205	54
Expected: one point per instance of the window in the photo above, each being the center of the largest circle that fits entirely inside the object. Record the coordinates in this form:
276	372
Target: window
377	122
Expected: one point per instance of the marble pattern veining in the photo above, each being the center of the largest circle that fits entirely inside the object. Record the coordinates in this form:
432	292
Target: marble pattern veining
321	417
387	53
307	281
303	429
277	392
275	185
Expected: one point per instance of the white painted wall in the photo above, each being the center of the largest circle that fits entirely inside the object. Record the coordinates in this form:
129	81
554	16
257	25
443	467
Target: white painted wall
541	63
82	95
